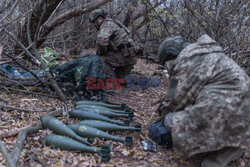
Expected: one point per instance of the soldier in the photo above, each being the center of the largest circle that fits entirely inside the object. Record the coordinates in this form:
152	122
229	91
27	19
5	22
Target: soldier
114	45
206	108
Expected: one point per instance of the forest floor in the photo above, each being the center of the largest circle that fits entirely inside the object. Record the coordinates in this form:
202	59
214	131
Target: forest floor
37	154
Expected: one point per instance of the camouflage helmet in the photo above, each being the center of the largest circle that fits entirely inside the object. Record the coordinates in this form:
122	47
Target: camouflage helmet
170	48
96	13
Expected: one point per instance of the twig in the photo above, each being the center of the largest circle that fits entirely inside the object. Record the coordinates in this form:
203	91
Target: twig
12	9
1	50
165	26
39	61
32	73
36	93
4	62
42	162
20	109
38	27
52	14
16	152
22	83
12	132
22	46
52	81
48	27
17	18
6	155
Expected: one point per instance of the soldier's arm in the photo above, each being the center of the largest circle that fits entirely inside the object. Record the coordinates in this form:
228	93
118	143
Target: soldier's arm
106	31
103	38
185	85
102	41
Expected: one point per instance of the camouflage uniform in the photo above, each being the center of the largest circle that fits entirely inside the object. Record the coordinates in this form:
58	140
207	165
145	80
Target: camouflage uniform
208	101
116	48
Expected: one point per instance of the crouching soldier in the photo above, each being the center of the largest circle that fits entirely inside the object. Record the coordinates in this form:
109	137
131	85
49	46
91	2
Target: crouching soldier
114	45
207	106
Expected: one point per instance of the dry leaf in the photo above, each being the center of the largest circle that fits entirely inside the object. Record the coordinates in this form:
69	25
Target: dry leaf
125	152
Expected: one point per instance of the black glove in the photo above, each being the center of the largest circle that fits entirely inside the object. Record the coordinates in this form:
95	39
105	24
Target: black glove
160	134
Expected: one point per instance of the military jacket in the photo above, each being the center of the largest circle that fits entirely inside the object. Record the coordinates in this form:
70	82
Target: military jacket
207	105
116	42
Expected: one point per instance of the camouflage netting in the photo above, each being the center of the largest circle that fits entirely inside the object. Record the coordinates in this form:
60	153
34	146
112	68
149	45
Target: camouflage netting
77	71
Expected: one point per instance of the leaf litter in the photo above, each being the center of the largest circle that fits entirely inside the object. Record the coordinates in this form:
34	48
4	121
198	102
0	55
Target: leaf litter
35	153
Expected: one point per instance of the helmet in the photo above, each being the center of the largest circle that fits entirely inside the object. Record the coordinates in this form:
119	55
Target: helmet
170	48
96	13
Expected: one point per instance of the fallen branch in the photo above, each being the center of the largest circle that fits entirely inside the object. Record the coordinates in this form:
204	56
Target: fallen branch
35	93
20	109
12	36
6	155
12	132
43	65
5	62
15	108
18	83
1	50
42	162
22	66
10	12
16	131
16	152
22	134
49	26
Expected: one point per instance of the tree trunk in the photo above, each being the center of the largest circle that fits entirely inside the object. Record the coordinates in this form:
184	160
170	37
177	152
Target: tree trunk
57	21
41	12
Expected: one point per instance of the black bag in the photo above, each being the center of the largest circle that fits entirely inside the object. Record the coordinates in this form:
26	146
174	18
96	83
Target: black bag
160	134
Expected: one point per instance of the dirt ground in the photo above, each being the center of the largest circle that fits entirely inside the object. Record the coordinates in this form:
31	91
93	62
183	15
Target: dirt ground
35	153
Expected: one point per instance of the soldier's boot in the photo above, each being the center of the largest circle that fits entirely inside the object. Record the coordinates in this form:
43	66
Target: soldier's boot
222	157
